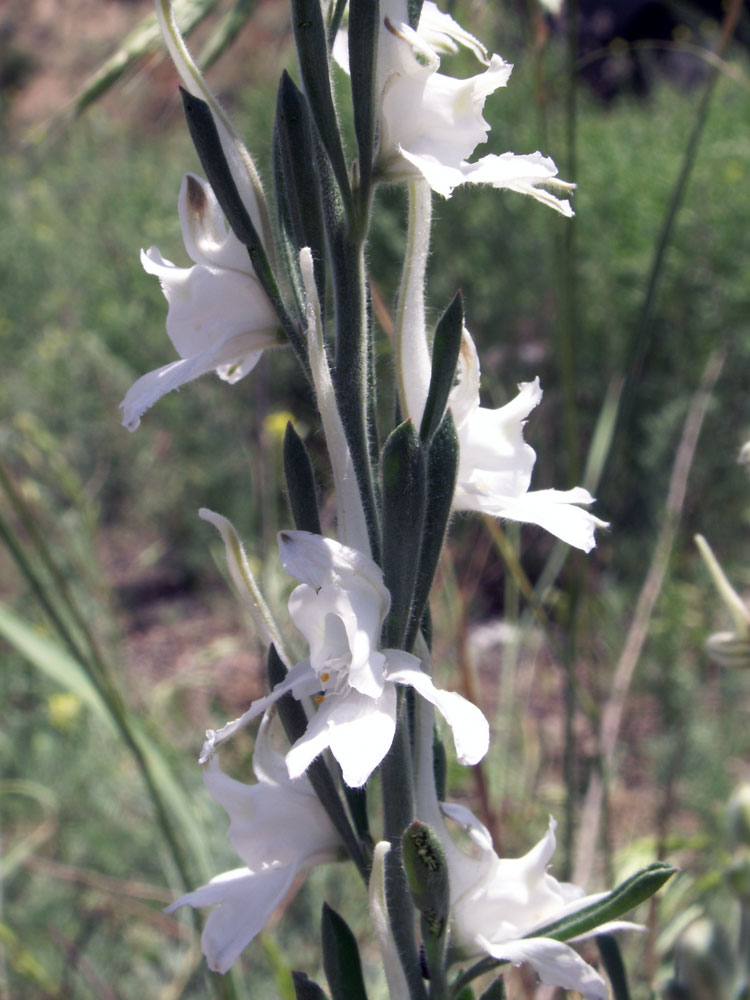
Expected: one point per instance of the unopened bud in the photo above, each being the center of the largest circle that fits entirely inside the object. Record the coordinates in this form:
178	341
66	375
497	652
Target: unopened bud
427	873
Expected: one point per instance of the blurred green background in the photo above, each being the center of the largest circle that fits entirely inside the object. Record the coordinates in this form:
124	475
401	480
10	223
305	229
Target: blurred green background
102	524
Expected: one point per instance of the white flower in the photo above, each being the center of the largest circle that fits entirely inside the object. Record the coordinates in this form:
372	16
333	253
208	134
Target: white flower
340	607
431	123
497	905
495	464
279	829
219	317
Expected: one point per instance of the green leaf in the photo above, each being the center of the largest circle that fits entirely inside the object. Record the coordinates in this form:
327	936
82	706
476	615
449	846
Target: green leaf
306	989
445	350
341	957
300	483
403	499
624	898
364	18
298	185
442	468
312	50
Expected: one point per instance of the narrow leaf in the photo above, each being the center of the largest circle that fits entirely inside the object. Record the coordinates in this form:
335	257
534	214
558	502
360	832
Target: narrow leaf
364	18
341	957
298	184
403	470
306	989
624	898
442	468
445	351
300	483
312	49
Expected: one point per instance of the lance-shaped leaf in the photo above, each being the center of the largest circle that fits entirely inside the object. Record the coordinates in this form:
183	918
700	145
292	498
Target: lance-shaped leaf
442	467
341	958
298	176
300	483
403	468
312	49
364	21
306	989
445	350
621	900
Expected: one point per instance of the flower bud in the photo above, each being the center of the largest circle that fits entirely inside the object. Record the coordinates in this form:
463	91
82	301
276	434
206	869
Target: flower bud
427	873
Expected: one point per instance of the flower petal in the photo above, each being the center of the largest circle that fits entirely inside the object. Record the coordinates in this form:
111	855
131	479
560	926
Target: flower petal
238	349
554	962
316	561
359	730
553	510
471	731
523	174
204	231
245	900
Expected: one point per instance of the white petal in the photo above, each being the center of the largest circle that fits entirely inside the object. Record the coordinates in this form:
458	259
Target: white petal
471	731
272	824
529	173
204	231
301	681
359	731
554	962
208	303
245	901
316	561
444	34
551	510
145	391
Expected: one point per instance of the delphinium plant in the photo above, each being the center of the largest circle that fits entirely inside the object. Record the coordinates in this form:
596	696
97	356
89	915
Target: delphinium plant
290	271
